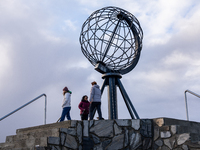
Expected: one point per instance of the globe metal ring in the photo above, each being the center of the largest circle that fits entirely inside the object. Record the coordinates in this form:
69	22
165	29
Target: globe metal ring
111	39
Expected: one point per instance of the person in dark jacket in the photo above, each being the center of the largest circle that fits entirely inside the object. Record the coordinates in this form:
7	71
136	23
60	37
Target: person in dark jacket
95	100
84	107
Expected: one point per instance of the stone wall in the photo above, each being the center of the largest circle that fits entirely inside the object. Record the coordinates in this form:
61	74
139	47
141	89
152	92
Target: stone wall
173	134
105	134
143	134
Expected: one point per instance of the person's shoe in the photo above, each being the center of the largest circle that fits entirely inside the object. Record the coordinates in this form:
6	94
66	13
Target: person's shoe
100	119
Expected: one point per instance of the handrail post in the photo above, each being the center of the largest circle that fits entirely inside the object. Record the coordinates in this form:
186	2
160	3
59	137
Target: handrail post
186	106
45	109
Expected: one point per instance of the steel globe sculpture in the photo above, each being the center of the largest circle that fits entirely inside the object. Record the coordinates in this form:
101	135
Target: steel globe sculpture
111	39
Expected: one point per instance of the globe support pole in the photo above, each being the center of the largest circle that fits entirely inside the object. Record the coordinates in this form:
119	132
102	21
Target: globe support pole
127	101
112	80
112	99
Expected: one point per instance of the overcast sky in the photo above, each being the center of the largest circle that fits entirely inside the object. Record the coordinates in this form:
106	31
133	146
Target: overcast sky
40	53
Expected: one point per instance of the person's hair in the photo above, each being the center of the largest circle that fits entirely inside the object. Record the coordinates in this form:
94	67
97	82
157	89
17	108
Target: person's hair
83	98
65	89
64	92
94	83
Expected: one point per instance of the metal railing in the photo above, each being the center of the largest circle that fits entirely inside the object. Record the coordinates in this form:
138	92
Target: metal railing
186	105
45	108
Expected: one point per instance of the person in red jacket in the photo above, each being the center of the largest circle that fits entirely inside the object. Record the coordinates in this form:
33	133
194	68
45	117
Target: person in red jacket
84	107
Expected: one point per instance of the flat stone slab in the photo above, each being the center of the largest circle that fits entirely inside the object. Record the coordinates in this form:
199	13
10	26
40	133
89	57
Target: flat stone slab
103	128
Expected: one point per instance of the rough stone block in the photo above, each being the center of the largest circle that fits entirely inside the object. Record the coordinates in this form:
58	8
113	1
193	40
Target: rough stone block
95	139
85	128
155	147
64	148
55	148
182	129
98	147
173	129
135	124
192	146
159	142
165	134
70	142
126	138
135	140
184	147
147	143
105	142
80	147
159	121
164	128
156	133
87	143
91	123
79	132
146	128
103	128
117	129
62	138
73	123
170	142
54	140
117	142
123	122
194	137
166	148
71	131
182	138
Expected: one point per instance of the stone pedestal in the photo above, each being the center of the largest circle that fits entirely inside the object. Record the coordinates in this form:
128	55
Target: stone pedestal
143	134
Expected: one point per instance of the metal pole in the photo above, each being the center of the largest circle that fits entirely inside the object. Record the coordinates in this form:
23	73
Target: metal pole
110	110
45	109
103	85
127	100
186	106
112	99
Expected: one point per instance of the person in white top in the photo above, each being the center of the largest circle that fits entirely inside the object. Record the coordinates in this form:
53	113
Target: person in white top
66	104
